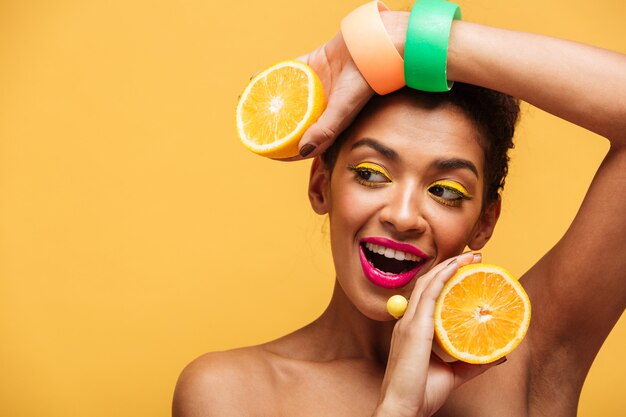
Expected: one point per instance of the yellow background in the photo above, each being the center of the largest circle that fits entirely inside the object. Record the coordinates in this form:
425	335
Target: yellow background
136	233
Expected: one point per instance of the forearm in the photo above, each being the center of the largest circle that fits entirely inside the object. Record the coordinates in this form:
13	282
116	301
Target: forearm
579	83
576	82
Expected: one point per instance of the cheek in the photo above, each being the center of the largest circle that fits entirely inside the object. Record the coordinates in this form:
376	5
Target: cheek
451	228
352	208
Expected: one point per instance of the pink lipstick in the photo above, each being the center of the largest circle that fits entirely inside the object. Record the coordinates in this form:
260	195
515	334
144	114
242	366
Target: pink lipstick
393	251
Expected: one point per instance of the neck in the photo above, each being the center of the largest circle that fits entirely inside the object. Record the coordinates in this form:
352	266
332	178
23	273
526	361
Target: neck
342	331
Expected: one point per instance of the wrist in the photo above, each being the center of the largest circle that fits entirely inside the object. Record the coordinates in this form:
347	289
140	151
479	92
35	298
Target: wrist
395	24
455	69
388	408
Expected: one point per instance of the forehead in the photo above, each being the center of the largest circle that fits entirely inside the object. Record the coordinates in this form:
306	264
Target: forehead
417	132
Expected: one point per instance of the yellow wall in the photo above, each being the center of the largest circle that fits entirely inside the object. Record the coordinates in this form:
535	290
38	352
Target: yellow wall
136	233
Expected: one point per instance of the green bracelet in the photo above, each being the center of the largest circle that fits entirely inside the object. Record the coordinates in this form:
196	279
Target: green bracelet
426	46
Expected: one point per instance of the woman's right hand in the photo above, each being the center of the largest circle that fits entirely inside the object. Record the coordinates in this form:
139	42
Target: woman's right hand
346	89
416	382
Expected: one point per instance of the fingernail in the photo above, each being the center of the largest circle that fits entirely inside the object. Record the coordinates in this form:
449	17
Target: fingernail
501	361
307	149
478	257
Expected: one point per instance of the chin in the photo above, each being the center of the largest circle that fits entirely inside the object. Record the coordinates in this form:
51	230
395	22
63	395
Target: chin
375	308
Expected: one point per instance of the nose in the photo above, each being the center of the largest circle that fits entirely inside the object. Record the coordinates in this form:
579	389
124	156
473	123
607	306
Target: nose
403	211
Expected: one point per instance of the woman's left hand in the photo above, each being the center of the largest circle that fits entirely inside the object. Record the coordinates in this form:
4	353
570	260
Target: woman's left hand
416	382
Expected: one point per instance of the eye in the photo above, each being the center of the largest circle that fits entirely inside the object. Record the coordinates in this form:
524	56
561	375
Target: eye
370	174
449	193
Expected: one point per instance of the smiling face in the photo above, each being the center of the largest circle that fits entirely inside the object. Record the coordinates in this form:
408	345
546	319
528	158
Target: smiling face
405	194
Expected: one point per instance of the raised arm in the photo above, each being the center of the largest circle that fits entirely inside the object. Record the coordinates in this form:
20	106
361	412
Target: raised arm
578	83
579	288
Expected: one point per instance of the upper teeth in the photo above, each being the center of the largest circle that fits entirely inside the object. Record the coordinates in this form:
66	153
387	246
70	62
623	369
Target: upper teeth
391	253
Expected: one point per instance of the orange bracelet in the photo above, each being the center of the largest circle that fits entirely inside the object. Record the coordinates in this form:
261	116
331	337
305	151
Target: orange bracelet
371	48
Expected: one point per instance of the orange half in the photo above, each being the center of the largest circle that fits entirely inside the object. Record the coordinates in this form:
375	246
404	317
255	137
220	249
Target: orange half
482	314
277	107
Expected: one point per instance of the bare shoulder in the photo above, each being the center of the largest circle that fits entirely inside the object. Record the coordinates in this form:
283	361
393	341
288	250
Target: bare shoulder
223	383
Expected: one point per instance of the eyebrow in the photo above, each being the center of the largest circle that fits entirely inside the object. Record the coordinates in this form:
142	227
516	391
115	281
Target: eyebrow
456	163
377	146
440	164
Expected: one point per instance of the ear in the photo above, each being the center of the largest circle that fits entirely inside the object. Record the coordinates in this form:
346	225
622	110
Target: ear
485	225
319	185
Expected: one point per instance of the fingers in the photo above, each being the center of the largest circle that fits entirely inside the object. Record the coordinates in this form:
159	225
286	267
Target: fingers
319	136
342	108
413	371
423	282
346	99
418	321
463	371
347	93
420	314
303	58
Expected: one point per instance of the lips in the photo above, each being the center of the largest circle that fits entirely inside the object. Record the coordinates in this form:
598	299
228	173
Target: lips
390	264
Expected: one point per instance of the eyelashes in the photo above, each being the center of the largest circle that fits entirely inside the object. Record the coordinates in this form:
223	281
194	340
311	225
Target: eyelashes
370	174
449	193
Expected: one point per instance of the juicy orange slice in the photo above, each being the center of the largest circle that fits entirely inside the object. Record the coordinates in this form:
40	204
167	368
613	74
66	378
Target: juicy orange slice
482	314
277	107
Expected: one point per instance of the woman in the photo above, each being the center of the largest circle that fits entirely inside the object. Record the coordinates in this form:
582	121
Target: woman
383	183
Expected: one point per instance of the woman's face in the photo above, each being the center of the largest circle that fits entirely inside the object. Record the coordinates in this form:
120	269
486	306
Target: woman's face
405	194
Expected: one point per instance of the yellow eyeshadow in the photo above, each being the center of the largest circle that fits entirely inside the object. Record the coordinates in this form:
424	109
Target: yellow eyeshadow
455	186
373	167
